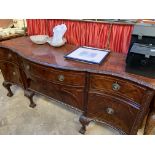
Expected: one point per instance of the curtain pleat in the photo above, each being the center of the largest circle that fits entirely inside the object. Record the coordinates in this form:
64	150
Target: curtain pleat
83	33
120	38
37	26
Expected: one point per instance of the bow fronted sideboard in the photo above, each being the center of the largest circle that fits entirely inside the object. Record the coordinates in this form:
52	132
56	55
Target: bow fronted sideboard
105	93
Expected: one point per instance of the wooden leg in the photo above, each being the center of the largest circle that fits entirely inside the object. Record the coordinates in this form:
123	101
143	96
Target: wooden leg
7	86
150	123
29	95
84	121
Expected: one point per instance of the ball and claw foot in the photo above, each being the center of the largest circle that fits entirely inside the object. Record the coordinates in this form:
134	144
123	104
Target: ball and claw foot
84	121
9	94
7	86
32	105
30	95
82	130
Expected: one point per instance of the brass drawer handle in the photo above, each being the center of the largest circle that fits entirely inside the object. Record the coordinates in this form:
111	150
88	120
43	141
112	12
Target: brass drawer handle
9	55
61	78
116	86
110	111
14	73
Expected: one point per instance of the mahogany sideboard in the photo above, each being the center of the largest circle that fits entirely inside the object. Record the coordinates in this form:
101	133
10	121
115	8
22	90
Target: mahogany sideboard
105	93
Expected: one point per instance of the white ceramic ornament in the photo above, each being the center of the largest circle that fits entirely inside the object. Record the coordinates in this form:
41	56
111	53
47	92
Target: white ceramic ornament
58	32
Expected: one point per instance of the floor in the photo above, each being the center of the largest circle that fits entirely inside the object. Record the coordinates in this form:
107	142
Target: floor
48	118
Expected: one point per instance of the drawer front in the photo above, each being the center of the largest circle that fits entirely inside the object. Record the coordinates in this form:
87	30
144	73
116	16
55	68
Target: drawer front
11	73
44	87
65	94
55	75
7	55
112	111
117	86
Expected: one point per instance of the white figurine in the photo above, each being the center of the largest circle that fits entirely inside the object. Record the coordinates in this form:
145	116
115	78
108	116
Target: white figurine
58	33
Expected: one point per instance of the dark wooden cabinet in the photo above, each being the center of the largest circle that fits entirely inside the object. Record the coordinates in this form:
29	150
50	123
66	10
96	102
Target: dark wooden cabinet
105	93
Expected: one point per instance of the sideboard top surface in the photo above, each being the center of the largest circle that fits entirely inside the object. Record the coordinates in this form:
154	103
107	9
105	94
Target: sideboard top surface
50	56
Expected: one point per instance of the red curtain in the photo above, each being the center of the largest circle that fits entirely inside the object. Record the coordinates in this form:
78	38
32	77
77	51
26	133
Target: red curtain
37	26
83	33
78	32
120	37
86	33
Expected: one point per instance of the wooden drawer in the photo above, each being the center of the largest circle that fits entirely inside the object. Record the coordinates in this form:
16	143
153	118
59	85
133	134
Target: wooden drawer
115	112
66	94
55	75
11	73
117	86
7	55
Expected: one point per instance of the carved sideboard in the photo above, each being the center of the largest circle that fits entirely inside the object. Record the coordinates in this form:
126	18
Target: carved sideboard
105	93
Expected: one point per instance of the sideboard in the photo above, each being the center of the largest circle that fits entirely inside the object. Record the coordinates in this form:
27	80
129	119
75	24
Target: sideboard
105	93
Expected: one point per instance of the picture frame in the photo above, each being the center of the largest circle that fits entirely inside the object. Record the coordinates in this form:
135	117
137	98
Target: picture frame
88	55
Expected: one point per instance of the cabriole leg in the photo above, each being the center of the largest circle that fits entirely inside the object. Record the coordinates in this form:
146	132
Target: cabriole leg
7	86
29	95
84	121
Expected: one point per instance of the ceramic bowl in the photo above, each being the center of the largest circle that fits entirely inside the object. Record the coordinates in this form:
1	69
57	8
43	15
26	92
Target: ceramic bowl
39	39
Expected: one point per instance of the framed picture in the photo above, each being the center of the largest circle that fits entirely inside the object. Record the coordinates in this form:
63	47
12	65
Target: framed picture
88	55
